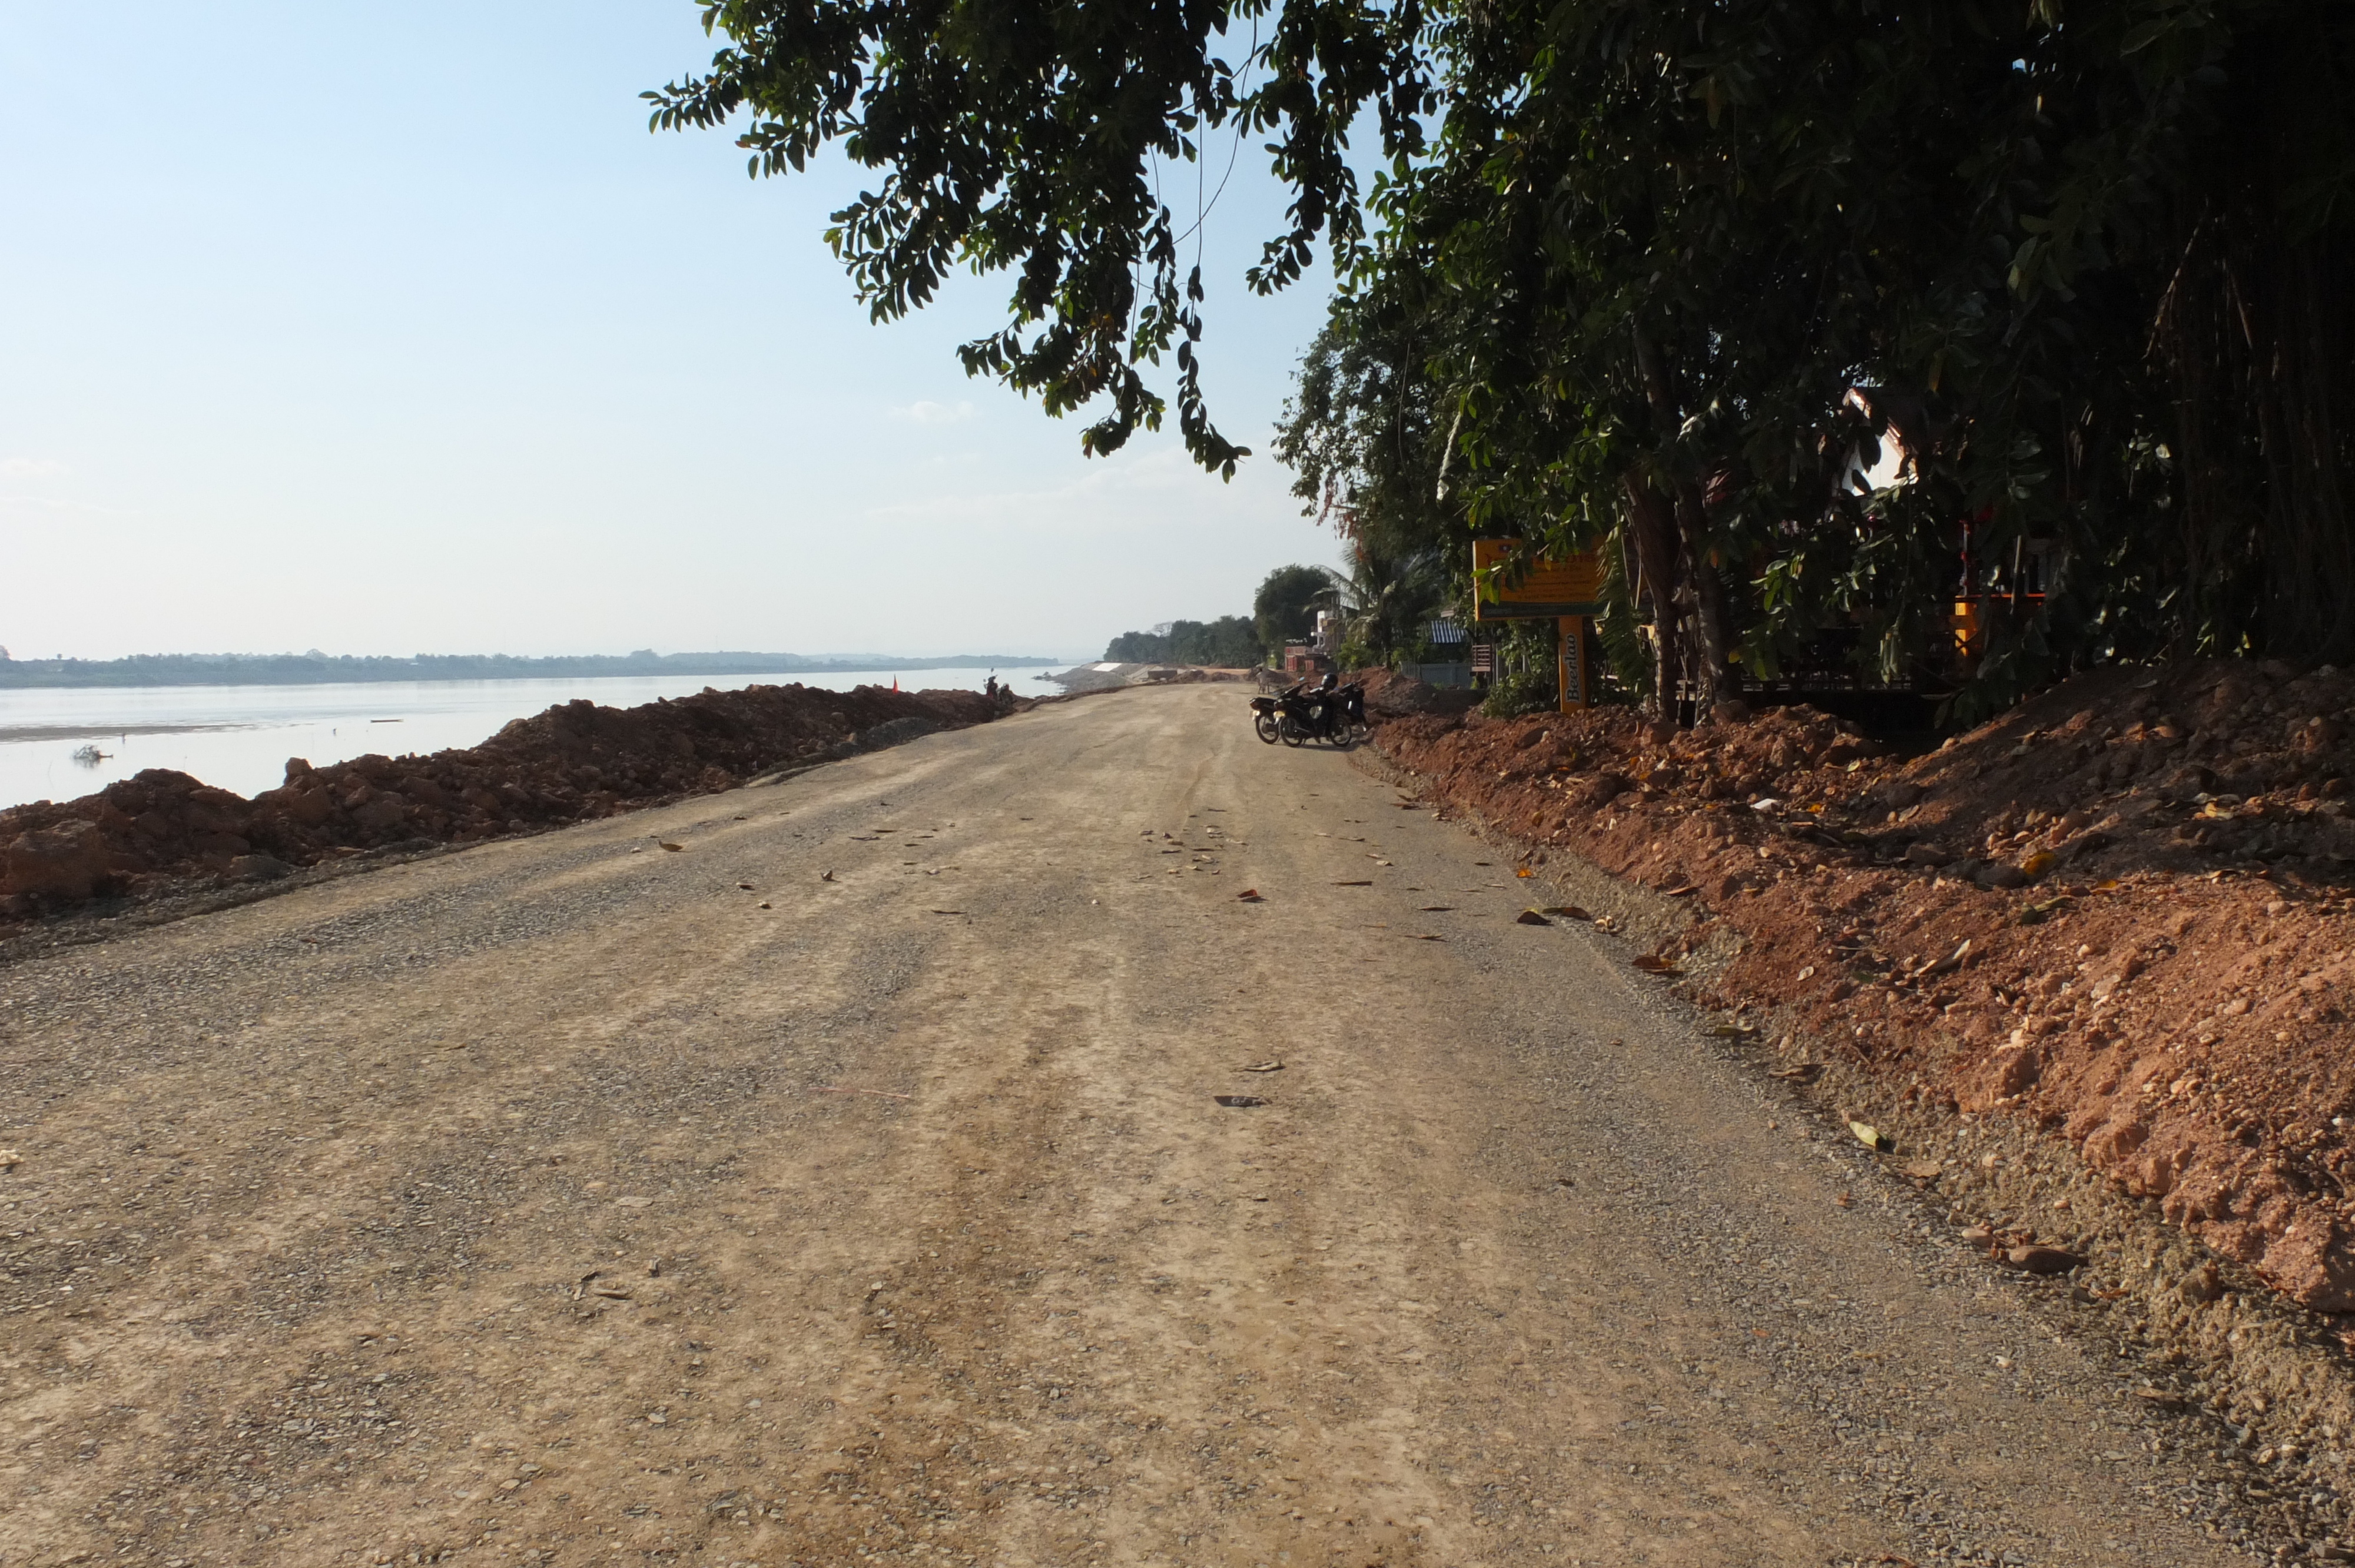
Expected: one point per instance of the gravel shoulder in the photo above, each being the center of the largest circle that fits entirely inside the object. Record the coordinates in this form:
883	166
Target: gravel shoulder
570	1201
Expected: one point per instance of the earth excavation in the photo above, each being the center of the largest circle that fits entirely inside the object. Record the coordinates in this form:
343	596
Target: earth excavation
2111	925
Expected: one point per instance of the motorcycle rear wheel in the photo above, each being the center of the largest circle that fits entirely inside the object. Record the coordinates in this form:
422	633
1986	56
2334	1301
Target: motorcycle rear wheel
1265	726
1342	737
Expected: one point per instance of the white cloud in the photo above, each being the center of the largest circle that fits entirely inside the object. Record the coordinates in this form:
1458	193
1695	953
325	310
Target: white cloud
931	413
30	468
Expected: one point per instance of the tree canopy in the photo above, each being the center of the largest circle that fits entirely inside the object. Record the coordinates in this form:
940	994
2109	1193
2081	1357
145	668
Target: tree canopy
1284	609
1665	277
1227	642
1030	137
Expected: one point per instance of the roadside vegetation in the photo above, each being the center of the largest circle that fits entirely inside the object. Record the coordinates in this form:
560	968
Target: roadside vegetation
1283	610
1669	281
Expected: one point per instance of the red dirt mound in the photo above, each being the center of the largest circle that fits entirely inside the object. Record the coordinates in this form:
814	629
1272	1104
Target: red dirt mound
2121	909
160	830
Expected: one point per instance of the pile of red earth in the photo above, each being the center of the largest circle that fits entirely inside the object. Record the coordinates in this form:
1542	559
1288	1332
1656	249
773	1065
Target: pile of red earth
160	830
2120	910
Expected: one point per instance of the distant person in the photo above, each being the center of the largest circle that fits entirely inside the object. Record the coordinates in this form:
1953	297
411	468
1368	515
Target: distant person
989	688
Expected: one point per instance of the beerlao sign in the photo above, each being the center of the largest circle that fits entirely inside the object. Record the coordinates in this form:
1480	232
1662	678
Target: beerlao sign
1556	586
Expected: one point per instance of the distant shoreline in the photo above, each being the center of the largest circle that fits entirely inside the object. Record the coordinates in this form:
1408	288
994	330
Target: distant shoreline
306	670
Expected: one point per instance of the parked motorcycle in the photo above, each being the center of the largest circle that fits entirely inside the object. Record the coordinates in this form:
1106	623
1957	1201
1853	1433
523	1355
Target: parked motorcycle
1350	702
1295	716
1264	715
1325	714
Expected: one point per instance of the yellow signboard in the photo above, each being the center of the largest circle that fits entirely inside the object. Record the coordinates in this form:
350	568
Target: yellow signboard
1568	585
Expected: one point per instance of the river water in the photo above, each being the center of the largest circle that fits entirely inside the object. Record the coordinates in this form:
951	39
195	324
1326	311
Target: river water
238	737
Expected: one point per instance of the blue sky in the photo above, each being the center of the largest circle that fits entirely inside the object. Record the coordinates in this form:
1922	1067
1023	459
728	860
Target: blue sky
388	330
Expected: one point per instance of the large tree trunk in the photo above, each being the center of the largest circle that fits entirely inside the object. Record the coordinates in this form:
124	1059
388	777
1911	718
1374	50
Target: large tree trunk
1718	682
1692	522
1653	527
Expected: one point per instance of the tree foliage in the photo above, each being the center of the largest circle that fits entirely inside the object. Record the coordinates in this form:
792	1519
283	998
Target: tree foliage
1047	141
1284	609
1663	277
1229	642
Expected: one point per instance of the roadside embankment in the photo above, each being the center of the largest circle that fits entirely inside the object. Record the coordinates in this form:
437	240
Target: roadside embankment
2117	914
162	832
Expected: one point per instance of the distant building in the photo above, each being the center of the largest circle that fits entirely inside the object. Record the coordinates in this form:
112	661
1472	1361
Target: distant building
1306	659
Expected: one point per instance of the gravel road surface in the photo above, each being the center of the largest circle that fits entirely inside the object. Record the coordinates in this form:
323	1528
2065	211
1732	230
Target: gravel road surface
848	1184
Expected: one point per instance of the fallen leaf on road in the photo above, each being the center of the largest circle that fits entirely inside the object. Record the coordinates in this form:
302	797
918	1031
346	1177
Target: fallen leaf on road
2160	1398
1353	884
10	1159
1436	908
1523	871
610	1292
1567	911
1424	937
825	876
1924	1170
1653	964
1732	1031
1262	1068
1797	1074
1531	918
948	911
766	904
674	849
1605	923
1250	896
1870	1136
1677	889
1239	1102
745	886
1846	1199
1951	963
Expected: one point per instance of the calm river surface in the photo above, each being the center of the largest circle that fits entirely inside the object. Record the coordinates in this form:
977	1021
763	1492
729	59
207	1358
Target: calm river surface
238	737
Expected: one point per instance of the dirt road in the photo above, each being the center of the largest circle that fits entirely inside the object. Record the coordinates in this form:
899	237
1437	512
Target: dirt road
848	1185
